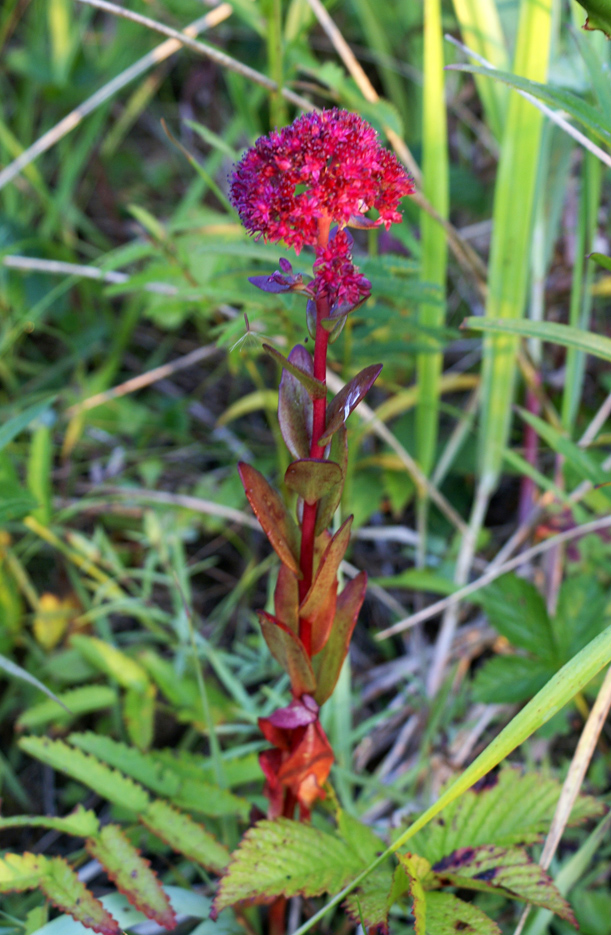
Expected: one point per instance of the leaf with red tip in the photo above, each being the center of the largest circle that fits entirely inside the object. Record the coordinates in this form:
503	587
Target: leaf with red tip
315	388
330	502
132	874
347	399
279	527
286	599
328	664
326	573
313	478
184	835
60	884
288	650
295	405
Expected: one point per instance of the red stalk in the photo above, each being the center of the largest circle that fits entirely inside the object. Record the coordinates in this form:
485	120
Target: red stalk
308	523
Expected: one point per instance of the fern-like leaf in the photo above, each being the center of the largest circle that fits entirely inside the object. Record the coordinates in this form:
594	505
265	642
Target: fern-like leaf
108	783
184	835
81	823
286	858
131	874
60	884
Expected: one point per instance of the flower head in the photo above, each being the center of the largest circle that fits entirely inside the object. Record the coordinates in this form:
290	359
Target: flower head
324	165
335	276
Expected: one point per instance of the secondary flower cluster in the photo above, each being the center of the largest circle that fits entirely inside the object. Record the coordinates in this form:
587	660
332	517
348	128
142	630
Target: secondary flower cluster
324	165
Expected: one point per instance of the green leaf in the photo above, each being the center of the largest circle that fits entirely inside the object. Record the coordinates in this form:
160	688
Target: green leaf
312	479
78	701
285	858
591	118
184	835
131	874
596	344
14	426
81	823
511	679
448	915
581	614
599	15
517	610
315	388
60	884
139	715
289	652
330	502
11	668
370	904
509	809
16	503
166	776
416	869
490	867
600	258
276	522
580	460
328	663
107	782
112	661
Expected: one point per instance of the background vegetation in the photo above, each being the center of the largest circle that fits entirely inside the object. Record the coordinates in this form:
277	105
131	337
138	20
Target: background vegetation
130	564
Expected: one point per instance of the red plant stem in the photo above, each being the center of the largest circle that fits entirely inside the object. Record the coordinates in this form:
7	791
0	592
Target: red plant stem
277	916
308	523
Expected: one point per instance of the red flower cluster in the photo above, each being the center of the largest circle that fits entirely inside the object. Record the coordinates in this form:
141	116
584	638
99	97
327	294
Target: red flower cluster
324	165
335	276
301	759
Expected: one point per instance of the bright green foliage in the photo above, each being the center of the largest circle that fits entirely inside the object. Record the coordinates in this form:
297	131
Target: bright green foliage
165	777
510	809
60	884
131	874
511	870
516	609
82	700
81	823
415	870
108	783
184	835
447	914
113	662
285	858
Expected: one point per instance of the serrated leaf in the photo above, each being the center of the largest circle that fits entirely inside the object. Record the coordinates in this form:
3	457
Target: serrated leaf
330	502
313	478
285	858
112	661
139	715
328	663
361	838
447	915
81	823
184	835
581	614
347	399
131	874
295	410
507	808
370	904
490	867
289	652
60	884
315	388
510	679
517	610
279	527
416	869
107	782
82	700
165	777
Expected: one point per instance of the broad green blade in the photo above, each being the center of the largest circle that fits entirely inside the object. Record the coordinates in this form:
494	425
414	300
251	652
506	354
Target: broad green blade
512	233
596	344
482	32
434	246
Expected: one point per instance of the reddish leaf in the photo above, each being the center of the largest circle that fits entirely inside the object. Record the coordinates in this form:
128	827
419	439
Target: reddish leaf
312	478
286	599
330	502
319	604
347	399
288	650
132	874
279	527
61	885
328	664
295	405
315	388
